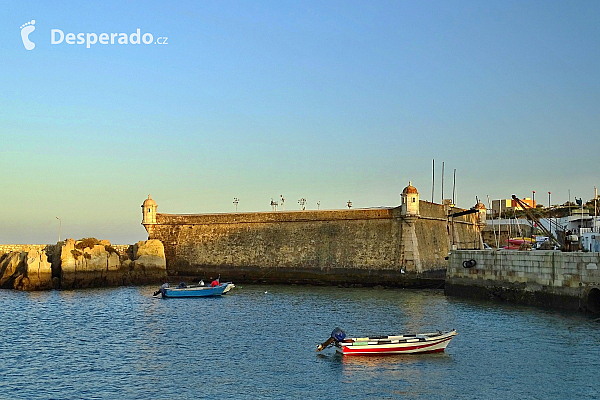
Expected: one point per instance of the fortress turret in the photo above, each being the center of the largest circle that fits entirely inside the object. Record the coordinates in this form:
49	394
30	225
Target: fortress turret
149	211
481	221
481	214
410	201
410	260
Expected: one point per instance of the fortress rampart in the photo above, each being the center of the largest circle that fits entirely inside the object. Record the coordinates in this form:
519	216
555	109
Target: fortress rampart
388	246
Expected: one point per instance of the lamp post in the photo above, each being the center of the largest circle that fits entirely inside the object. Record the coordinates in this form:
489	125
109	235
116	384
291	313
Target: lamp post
302	202
595	208
549	215
236	201
532	206
319	205
59	227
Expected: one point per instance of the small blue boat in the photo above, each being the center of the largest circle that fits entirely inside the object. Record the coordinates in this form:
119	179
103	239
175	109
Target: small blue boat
184	290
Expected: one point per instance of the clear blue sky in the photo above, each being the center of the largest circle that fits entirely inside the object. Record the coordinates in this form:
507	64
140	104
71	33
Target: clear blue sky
331	101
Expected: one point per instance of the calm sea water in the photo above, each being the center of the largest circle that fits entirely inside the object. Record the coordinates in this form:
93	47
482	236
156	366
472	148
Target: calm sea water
259	342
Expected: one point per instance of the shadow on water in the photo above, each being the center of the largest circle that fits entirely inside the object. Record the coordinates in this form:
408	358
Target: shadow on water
508	308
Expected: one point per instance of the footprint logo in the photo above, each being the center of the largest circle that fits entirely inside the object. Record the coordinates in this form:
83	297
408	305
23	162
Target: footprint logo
26	29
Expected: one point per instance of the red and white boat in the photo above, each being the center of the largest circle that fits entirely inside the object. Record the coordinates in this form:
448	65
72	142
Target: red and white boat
399	344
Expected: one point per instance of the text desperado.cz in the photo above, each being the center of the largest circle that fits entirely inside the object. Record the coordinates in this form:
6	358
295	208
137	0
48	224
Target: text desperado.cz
57	37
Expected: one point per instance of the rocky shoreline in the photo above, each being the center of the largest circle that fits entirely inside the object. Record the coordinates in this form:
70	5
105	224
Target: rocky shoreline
85	263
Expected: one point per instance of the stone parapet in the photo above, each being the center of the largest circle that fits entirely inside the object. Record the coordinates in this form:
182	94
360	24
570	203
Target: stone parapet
278	216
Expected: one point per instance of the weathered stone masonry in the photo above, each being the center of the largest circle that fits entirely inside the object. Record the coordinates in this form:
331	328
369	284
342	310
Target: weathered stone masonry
542	278
368	246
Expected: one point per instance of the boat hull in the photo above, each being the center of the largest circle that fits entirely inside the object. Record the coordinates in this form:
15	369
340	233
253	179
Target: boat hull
228	287
199	291
409	344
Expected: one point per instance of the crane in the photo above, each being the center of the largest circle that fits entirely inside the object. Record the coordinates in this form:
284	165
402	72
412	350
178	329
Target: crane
526	208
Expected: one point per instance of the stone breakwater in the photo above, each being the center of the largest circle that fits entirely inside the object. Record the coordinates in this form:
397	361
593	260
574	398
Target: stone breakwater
80	264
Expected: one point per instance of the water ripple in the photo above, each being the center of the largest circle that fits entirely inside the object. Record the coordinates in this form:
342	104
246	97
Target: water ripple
259	342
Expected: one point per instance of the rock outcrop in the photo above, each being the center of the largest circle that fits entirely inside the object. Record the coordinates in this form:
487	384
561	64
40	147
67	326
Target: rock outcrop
25	270
149	254
87	263
92	263
83	263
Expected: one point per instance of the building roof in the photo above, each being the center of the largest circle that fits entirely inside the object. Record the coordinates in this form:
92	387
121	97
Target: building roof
148	202
410	189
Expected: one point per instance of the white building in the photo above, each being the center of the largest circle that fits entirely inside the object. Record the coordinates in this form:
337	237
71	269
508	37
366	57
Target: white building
590	241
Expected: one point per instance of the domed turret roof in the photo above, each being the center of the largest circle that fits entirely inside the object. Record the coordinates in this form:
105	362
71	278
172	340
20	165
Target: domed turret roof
148	202
410	189
480	206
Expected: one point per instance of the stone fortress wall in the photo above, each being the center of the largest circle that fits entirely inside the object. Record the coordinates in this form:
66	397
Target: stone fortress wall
396	246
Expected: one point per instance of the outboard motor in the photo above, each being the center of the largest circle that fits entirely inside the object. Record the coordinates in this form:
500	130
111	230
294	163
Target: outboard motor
336	336
161	290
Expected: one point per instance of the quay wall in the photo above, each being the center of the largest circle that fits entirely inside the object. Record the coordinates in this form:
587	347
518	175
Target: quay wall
543	278
356	246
